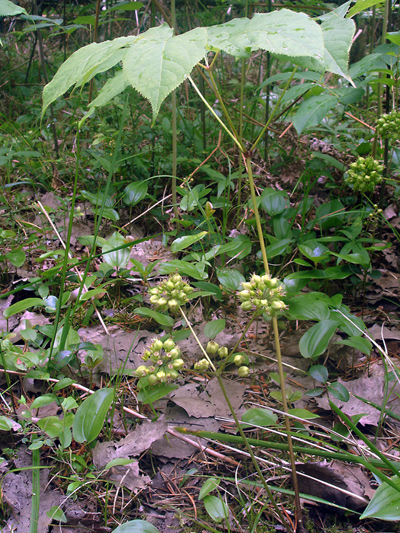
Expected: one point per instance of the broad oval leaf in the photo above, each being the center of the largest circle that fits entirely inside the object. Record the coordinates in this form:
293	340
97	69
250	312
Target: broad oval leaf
135	192
90	416
274	201
258	416
160	318
311	112
184	268
208	486
230	278
304	414
315	341
152	394
116	258
23	305
280	247
385	503
211	329
7	423
319	373
159	61
52	425
9	9
308	307
314	250
359	343
16	258
184	242
339	391
216	508
136	526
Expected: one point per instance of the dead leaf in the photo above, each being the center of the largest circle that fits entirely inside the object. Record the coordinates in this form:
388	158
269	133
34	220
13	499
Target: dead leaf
378	333
135	443
370	388
342	484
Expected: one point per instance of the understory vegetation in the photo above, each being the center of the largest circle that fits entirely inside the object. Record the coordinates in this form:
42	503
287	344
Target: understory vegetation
199	266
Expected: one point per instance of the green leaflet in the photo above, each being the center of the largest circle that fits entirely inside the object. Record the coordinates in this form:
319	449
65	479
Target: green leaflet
83	65
281	32
9	9
159	62
313	110
112	88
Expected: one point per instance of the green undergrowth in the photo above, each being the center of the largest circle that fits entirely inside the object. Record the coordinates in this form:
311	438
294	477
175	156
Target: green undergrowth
234	174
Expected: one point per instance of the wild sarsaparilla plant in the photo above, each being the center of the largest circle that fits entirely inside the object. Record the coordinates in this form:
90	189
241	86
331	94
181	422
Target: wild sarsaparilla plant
155	63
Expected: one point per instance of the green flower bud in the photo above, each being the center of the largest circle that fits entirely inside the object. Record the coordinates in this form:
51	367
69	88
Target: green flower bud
146	355
161	376
174	353
212	348
152	379
278	305
157	345
141	371
244	295
238	359
176	278
168	345
178	364
223	352
246	306
243	371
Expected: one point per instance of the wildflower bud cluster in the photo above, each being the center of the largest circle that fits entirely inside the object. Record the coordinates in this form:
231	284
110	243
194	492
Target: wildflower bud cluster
263	293
171	294
166	362
213	349
389	126
364	174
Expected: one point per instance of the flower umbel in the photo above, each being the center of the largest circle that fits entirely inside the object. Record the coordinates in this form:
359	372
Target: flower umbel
388	126
166	362
364	174
171	294
263	293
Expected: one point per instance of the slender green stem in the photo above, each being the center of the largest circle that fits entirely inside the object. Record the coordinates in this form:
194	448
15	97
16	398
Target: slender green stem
215	115
223	107
277	345
257	214
272	115
241	103
35	491
174	131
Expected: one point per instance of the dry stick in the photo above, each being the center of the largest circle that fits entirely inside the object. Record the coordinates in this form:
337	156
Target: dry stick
208	157
359	120
76	270
147	210
95	36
